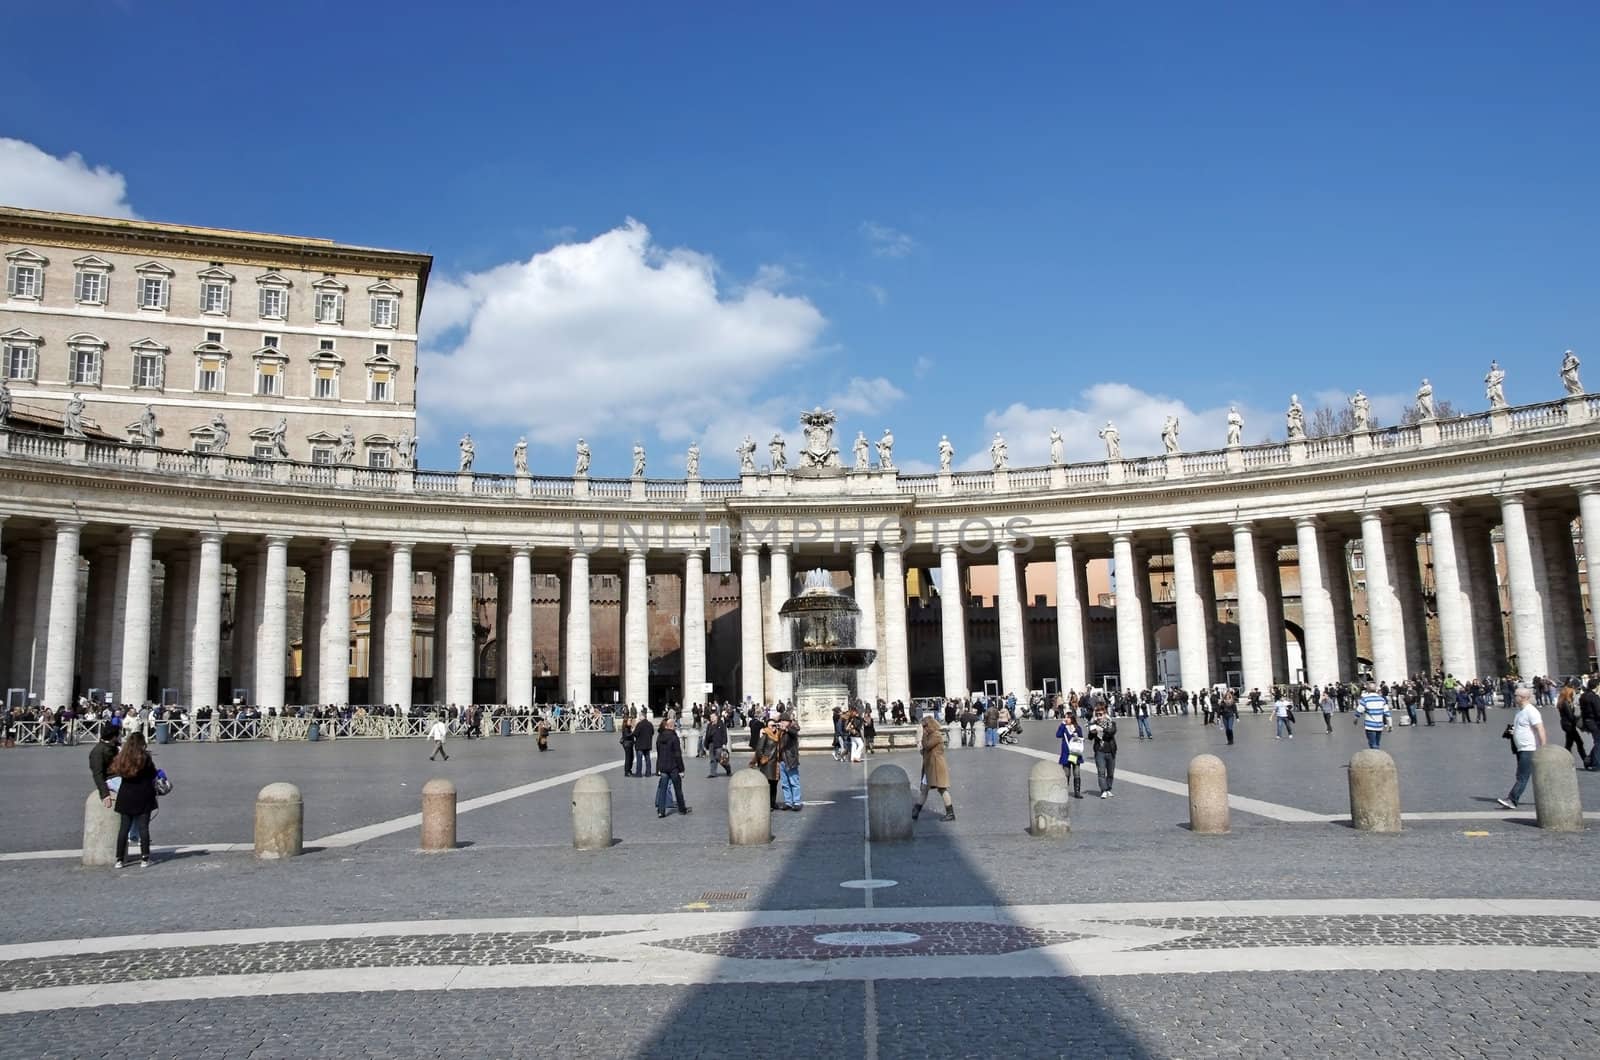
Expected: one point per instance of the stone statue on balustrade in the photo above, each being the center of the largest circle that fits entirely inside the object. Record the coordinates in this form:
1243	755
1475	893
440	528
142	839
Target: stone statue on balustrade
947	452
1169	435
147	431
72	421
778	454
278	439
347	446
1058	447
519	456
1361	409
220	435
817	428
1235	425
747	456
638	460
1113	441
691	463
582	467
886	451
1425	409
405	448
863	452
468	453
5	403
1494	386
1569	374
997	452
1296	419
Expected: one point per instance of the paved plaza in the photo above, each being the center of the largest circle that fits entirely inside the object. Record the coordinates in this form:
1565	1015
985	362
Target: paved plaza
1472	933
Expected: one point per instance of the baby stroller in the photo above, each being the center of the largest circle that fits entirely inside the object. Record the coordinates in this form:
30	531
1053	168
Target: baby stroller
1009	733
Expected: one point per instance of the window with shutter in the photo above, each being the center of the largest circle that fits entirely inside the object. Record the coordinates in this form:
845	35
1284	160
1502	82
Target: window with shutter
24	281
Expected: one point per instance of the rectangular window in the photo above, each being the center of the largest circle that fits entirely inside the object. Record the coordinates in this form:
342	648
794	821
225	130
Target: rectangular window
20	363
213	297
262	451
385	310
380	385
24	281
208	377
152	292
91	287
267	379
214	337
147	371
86	367
330	307
269	342
325	344
322	454
377	458
380	349
327	383
274	303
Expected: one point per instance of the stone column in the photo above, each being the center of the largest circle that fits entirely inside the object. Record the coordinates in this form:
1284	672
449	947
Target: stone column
377	636
782	585
206	647
1489	608
118	599
458	663
1071	647
953	622
95	651
1336	576
191	611
1269	564
518	640
335	684
1454	603
1194	662
41	616
397	627
1316	605
135	683
1589	512
1383	608
1205	574
1008	605
61	654
311	632
694	628
22	591
272	638
1527	607
862	581
1564	625
1255	649
897	673
502	627
575	672
246	624
752	662
636	632
1133	662
1405	574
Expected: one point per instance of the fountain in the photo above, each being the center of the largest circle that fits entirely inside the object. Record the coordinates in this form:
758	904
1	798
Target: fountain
819	625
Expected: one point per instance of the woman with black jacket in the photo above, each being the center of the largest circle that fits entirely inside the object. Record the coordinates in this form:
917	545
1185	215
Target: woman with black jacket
1103	733
136	797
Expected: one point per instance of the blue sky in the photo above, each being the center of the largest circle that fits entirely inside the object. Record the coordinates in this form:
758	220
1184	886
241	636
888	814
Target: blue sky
678	222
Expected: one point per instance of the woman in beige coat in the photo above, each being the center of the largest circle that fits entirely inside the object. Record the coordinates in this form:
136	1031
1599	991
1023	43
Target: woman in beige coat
935	773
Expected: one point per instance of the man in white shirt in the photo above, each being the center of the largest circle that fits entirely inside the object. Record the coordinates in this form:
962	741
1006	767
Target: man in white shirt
1527	736
437	734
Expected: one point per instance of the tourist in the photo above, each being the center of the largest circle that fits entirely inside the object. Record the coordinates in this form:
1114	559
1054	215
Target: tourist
1589	712
136	796
100	756
758	718
852	733
716	744
935	772
628	743
1567	708
438	734
644	731
1430	701
991	725
1283	718
789	766
768	755
1071	736
1527	736
869	731
669	764
542	729
1141	714
1327	710
1373	711
1228	712
1103	731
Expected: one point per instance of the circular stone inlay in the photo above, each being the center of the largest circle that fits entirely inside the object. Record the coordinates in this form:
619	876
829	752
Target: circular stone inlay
868	938
867	885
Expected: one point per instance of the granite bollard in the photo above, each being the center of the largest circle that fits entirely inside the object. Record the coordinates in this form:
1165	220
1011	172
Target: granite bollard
1556	802
1374	792
591	813
888	805
100	826
439	815
749	809
1208	795
1049	802
280	822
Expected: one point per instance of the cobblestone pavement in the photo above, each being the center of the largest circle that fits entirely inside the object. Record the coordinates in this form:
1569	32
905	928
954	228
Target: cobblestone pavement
1379	930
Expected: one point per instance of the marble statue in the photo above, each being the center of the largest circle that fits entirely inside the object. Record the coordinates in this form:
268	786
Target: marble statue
1058	447
1494	386
747	456
819	450
997	452
691	463
1235	425
886	450
1169	435
406	449
278	437
775	449
468	452
347	446
220	435
5	402
863	452
583	458
1425	401
148	431
1296	418
1113	441
1362	410
72	421
519	456
638	460
947	452
1569	375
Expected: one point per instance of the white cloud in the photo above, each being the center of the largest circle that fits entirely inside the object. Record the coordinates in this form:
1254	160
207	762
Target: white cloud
38	181
886	242
865	397
879	294
613	337
923	366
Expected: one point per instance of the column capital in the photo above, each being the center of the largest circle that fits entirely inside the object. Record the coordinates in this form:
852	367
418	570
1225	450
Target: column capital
1064	539
68	524
212	537
1442	507
1246	525
1514	496
336	544
521	551
579	550
146	532
1120	536
1376	515
1186	532
1314	522
1588	489
866	546
397	547
634	549
462	548
694	550
949	546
